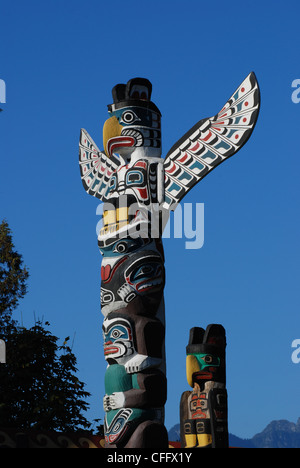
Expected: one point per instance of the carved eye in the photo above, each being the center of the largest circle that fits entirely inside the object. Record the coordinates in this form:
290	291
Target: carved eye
145	270
121	247
116	334
134	177
129	117
208	359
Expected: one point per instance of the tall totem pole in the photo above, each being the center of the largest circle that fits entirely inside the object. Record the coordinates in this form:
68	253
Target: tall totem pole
139	189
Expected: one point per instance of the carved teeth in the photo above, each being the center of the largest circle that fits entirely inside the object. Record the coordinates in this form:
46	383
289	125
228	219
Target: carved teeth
135	134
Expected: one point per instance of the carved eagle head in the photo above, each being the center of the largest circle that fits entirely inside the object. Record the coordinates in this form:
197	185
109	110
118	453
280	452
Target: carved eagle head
134	124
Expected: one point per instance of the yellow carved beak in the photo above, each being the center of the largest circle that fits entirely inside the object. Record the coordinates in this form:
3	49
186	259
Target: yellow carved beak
192	366
111	129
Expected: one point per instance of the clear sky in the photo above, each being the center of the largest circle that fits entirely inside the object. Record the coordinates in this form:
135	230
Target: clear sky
59	61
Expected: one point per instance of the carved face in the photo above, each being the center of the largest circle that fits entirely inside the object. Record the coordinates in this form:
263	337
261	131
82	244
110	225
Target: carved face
131	180
198	405
134	120
124	278
118	339
208	366
145	273
205	359
132	127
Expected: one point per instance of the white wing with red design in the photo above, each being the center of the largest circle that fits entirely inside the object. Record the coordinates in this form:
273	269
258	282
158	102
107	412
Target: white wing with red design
211	141
96	168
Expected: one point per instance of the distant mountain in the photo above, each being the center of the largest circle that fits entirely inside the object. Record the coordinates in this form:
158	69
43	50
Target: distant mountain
174	433
174	436
277	434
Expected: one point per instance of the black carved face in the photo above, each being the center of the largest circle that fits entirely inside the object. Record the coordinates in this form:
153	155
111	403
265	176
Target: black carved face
124	278
145	273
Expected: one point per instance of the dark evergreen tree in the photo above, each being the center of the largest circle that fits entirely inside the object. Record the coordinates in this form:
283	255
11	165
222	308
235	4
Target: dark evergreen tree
38	384
39	388
13	276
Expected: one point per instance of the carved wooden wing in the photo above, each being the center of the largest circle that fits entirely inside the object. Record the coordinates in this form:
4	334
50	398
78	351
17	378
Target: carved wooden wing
211	141
96	168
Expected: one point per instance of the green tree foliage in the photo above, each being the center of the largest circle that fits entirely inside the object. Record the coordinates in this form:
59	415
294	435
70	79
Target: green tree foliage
13	275
38	384
39	388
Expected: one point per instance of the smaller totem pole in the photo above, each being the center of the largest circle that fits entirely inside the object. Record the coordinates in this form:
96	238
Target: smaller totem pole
203	411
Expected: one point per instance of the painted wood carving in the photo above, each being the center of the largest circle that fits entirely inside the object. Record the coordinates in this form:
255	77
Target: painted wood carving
139	188
203	411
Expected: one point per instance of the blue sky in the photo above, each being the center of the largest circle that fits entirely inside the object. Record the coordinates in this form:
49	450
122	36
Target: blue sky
59	61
